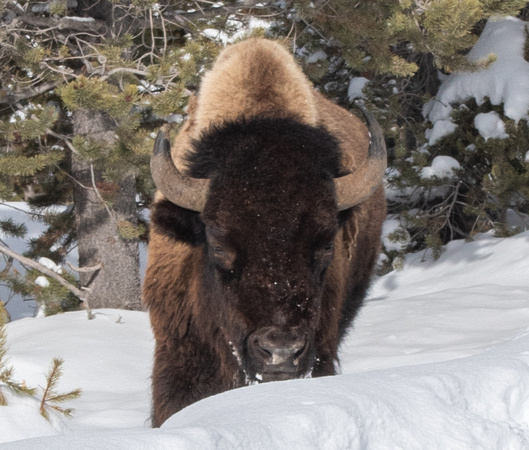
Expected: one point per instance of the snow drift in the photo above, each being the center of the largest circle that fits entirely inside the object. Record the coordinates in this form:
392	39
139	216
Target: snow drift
439	358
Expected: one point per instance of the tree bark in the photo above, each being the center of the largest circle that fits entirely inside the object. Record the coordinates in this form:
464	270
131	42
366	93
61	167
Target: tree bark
117	285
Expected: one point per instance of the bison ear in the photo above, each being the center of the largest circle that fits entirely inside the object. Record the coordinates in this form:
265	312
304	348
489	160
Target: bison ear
178	223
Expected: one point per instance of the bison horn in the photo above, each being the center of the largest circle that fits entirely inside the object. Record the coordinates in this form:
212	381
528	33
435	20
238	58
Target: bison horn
191	193
356	187
184	191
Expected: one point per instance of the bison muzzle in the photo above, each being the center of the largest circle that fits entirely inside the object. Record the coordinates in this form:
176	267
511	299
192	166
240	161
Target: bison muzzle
265	230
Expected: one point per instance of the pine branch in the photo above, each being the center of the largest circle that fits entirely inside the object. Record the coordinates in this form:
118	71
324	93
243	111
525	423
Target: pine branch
61	23
48	272
50	398
9	97
6	372
82	295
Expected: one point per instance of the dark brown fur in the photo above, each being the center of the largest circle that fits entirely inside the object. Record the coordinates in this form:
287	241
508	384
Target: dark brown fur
270	250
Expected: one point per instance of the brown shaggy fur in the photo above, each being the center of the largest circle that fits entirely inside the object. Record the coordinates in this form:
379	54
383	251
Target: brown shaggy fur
271	211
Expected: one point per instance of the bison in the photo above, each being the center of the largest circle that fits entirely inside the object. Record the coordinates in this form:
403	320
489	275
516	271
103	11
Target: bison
265	230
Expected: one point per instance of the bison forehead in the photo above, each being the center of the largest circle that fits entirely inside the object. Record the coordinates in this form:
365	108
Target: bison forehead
267	145
267	174
272	219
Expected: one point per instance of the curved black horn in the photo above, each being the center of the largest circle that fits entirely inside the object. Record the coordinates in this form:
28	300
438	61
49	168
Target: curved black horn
184	191
354	188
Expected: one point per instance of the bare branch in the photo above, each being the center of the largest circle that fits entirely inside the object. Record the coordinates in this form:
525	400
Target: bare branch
8	97
124	70
82	295
43	269
64	23
85	269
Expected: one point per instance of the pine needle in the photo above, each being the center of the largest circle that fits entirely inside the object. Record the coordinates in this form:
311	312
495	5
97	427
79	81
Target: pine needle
6	372
51	399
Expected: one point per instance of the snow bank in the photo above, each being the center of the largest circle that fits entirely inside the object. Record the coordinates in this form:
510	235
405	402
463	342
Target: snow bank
108	357
439	358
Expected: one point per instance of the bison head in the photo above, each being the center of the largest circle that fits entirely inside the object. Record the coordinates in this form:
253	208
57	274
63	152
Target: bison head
268	195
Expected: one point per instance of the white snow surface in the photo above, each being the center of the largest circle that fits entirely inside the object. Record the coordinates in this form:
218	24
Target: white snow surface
42	282
504	81
318	55
49	264
438	359
391	226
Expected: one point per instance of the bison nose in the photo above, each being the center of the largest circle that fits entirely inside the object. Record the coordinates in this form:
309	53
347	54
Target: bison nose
278	350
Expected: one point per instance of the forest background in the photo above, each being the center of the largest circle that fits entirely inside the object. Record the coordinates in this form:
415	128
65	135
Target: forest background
86	84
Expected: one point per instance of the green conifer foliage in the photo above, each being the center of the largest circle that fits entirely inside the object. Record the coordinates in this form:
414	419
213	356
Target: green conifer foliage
7	372
51	399
380	36
136	63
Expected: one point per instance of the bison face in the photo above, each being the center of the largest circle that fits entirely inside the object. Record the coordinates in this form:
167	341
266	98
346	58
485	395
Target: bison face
270	224
265	278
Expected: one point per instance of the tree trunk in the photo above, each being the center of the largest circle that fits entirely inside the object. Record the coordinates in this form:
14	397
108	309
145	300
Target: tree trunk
117	285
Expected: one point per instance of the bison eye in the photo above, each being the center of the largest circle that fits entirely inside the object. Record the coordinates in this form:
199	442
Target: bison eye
223	257
219	251
326	251
323	255
329	247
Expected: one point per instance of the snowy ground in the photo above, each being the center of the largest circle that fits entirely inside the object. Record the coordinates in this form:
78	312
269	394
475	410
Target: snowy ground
439	359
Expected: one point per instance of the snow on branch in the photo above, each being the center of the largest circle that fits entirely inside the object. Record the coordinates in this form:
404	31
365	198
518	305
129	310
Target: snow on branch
82	294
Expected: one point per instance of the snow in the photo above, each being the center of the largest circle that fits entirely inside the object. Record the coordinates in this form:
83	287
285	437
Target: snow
438	358
49	264
490	125
216	35
442	166
391	226
318	55
79	19
504	81
42	282
441	128
356	88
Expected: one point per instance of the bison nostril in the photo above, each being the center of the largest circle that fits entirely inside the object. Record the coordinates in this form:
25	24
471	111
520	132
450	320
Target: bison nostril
280	349
300	353
261	350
